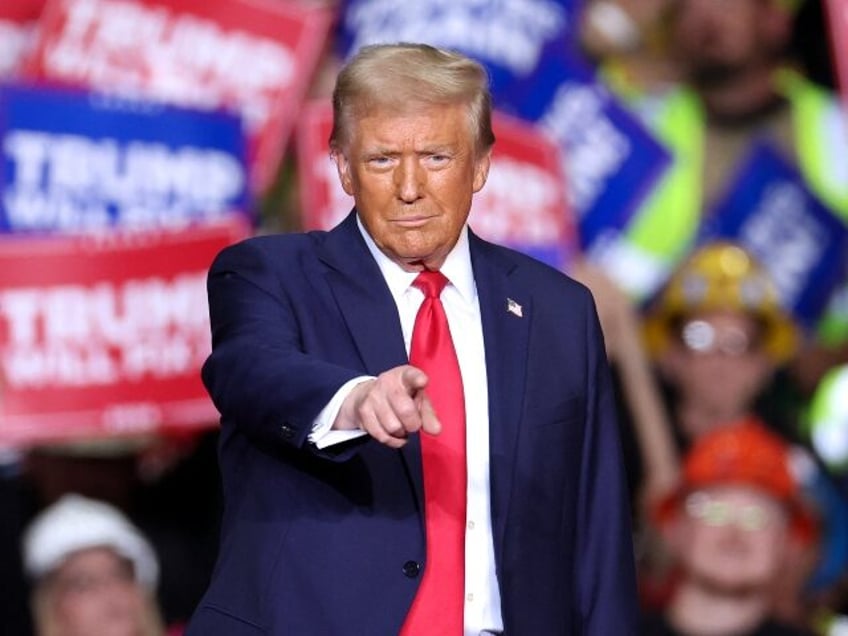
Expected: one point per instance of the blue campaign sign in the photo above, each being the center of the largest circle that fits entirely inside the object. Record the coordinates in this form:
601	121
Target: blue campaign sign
74	161
610	159
510	37
769	209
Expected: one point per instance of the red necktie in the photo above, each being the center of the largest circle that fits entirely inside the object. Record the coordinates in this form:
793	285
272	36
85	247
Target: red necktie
438	606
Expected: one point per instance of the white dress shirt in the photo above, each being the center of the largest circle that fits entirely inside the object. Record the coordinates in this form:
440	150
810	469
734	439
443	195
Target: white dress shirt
482	598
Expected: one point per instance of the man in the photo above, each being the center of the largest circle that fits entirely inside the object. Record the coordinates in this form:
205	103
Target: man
92	571
345	476
741	86
735	515
718	335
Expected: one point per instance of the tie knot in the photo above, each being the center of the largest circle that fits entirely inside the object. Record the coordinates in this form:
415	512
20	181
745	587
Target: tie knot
431	283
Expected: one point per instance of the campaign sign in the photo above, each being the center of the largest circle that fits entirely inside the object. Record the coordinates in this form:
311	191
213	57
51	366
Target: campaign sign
609	157
114	163
106	335
18	19
255	57
510	37
523	204
769	209
323	202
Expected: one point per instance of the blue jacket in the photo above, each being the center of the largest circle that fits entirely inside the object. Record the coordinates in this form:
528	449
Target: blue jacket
332	542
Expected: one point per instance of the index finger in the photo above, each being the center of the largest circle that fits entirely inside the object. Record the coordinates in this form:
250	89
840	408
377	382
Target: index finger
429	421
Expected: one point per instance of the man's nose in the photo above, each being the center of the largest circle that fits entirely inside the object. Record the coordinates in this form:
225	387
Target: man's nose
409	179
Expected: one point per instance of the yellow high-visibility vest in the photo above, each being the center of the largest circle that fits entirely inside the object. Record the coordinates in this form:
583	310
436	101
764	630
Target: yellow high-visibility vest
664	227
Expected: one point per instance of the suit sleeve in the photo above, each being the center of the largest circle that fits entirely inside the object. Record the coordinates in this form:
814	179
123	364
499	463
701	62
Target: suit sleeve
258	376
605	570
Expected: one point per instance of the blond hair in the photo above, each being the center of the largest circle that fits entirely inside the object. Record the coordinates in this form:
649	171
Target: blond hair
400	77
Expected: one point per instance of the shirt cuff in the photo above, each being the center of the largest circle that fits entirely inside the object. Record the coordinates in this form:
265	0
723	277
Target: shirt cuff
322	434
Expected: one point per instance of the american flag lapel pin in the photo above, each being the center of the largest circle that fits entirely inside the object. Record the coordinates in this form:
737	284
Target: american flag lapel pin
513	307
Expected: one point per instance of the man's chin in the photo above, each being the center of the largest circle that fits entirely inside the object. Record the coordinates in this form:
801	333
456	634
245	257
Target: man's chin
714	74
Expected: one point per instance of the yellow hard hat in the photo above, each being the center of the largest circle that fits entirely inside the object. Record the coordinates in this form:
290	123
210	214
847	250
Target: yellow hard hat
721	276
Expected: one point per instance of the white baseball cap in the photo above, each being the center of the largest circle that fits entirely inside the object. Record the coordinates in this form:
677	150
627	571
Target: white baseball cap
77	523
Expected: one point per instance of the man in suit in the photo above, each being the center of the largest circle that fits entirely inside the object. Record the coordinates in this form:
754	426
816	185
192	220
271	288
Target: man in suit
336	444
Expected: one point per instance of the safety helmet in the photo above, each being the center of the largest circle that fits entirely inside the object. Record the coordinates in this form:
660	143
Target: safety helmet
745	453
721	276
75	523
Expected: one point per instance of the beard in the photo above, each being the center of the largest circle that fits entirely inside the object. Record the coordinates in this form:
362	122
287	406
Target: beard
714	74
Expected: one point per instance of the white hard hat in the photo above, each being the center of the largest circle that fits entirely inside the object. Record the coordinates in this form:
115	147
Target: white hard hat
77	523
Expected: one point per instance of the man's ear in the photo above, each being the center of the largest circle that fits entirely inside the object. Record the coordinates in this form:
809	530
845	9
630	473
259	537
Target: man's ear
343	169
481	170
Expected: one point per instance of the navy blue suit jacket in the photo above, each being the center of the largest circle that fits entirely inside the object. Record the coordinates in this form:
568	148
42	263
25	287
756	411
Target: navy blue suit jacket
332	542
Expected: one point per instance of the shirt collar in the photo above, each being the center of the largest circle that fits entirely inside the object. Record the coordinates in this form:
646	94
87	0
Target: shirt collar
457	267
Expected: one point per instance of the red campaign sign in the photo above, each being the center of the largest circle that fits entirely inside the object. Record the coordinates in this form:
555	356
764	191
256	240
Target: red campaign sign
18	19
323	202
105	334
837	16
523	204
255	57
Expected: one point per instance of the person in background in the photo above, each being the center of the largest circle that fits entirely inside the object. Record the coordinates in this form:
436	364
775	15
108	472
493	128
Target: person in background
629	42
735	514
718	335
92	572
740	83
418	430
720	338
825	428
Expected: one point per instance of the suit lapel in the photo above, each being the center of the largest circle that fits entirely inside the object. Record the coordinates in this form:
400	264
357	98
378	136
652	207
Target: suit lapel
371	316
506	314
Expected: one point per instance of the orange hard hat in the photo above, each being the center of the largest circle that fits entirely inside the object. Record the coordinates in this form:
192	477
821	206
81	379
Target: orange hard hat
746	453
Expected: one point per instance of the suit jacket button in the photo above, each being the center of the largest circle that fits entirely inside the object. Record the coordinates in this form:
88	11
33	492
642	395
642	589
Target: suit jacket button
286	431
411	569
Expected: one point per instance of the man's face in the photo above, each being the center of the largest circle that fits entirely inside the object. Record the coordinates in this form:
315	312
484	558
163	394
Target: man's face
716	39
96	593
732	538
413	175
718	363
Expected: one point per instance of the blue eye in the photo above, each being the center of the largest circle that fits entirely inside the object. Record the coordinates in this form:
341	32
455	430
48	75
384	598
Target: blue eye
438	159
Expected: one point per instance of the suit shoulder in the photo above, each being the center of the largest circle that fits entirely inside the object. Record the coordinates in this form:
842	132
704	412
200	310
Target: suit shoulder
535	271
276	246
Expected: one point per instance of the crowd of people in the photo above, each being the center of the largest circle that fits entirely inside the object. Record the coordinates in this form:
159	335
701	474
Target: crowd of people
733	415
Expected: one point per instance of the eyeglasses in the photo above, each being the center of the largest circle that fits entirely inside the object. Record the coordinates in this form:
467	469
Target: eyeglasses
702	337
717	513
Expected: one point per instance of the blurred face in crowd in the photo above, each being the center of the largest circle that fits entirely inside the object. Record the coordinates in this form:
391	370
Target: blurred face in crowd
716	39
412	175
718	363
95	592
732	537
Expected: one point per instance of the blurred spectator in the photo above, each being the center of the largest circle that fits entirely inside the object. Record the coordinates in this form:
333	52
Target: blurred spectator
733	520
718	335
628	39
168	486
740	84
93	572
827	422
